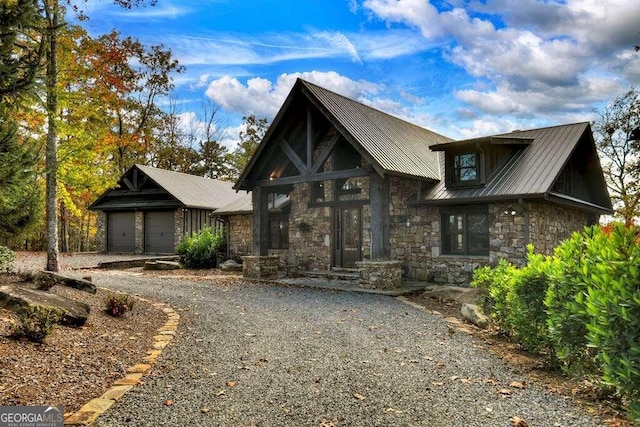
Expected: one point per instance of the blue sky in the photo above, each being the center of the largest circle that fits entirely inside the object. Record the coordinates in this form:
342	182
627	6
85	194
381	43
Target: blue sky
462	68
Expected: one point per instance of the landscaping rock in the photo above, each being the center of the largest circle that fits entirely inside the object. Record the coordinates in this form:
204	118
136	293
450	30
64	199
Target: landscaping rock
472	314
15	298
61	279
162	265
168	265
452	293
230	265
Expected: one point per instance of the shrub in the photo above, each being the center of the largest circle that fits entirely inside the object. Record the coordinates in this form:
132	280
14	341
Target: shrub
565	302
494	284
118	304
199	250
7	257
594	305
514	299
527	314
36	322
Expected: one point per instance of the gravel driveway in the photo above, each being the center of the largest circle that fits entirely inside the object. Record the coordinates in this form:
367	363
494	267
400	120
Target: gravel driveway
253	354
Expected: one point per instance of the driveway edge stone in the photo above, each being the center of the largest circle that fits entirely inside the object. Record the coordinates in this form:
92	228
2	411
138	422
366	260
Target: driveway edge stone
90	412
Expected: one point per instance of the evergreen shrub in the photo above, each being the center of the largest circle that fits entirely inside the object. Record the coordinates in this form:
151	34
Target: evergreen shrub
199	250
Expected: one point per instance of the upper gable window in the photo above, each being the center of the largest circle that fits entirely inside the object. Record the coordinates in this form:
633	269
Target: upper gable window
466	168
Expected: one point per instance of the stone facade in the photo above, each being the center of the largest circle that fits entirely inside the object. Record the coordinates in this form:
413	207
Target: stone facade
139	240
260	267
101	234
178	228
239	234
415	234
383	275
416	241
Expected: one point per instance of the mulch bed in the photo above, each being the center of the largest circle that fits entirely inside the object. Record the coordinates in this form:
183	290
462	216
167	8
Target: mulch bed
73	365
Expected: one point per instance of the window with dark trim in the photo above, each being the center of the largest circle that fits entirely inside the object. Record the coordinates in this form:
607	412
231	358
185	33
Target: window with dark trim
279	232
466	168
465	233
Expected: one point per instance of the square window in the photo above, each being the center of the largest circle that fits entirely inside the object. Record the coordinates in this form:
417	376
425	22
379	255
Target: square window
465	233
465	168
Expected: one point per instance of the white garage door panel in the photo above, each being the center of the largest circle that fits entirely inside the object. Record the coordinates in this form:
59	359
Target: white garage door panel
121	232
159	232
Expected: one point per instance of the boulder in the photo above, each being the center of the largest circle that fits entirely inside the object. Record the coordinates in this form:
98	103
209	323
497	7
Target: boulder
162	265
230	265
61	279
14	298
472	314
452	293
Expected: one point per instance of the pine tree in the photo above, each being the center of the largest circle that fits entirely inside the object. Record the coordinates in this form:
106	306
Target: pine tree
20	63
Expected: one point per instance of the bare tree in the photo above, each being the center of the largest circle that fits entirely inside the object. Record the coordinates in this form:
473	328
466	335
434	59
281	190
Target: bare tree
616	132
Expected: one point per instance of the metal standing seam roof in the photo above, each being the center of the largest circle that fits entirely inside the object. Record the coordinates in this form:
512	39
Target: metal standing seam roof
244	205
241	205
532	171
191	190
395	144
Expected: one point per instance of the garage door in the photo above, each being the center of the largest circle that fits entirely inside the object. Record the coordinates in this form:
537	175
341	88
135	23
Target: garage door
158	232
121	232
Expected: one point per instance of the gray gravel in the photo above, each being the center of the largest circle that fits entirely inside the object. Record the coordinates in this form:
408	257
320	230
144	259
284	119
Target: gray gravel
253	354
250	354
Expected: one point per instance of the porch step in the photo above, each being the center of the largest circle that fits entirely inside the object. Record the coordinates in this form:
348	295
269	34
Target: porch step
335	274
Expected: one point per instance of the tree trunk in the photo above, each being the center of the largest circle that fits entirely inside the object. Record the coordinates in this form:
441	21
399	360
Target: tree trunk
51	12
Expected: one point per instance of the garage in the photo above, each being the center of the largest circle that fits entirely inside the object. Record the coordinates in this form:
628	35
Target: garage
159	231
121	232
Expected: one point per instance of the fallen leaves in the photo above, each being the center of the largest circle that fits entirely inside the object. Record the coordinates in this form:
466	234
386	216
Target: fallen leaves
518	422
168	402
358	396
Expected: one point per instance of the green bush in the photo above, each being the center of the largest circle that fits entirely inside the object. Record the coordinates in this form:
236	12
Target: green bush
528	316
565	302
594	308
514	299
494	284
199	250
7	257
118	304
36	322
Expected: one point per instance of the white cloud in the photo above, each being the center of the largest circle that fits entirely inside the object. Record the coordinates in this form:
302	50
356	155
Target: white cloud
263	98
536	57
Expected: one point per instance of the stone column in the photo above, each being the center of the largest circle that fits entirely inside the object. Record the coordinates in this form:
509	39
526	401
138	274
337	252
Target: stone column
139	239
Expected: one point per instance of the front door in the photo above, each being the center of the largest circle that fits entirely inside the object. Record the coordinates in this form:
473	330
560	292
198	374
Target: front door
347	236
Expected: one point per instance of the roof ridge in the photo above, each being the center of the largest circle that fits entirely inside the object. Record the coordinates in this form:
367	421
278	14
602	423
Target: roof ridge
540	128
306	82
161	170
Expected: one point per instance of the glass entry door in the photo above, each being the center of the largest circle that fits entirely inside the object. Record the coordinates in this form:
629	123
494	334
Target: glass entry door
347	236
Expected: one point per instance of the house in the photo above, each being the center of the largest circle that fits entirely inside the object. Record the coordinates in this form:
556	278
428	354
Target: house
373	192
237	219
152	209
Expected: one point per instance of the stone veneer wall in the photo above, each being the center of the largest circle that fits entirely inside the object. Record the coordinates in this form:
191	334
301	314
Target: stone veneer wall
101	233
139	240
415	235
549	224
178	228
240	234
309	232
